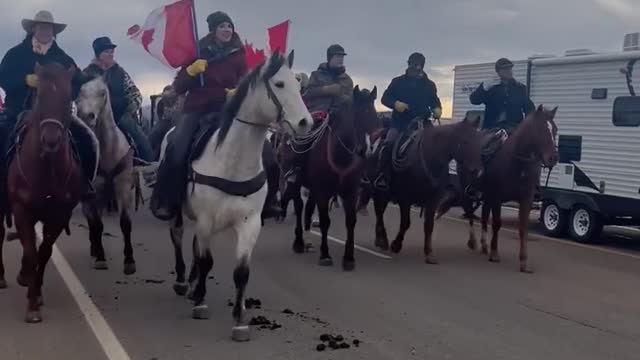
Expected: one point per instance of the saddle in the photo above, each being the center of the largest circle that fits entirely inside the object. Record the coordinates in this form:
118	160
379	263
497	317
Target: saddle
493	142
407	138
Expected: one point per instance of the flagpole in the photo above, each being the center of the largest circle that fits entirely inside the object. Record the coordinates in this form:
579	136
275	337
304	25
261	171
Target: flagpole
196	38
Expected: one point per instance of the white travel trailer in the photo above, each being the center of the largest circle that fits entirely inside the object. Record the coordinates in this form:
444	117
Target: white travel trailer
597	181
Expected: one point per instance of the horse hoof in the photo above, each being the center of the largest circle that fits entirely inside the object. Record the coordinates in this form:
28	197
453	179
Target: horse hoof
309	248
396	247
525	269
472	245
191	294
3	284
382	243
200	312
181	288
22	281
495	258
33	317
240	333
348	265
100	265
326	262
431	260
298	247
129	269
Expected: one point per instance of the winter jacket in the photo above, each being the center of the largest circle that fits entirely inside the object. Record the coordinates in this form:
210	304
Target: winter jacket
19	62
226	67
124	94
506	104
419	93
316	95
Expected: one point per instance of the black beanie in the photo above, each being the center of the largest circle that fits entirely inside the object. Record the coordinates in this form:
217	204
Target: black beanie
217	18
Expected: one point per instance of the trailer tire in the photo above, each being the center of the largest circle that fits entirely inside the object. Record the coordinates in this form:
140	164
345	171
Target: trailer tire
554	219
585	225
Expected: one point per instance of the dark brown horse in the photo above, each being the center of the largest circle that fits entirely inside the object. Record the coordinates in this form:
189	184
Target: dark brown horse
45	180
334	166
512	175
420	177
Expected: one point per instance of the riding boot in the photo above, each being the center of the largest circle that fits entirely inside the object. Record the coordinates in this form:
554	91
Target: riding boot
169	191
384	168
131	128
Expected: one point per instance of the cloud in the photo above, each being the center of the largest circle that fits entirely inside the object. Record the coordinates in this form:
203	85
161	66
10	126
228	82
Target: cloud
379	36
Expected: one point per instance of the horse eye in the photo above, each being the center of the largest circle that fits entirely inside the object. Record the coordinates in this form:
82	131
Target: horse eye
280	84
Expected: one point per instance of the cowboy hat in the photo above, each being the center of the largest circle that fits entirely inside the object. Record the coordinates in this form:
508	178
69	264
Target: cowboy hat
42	17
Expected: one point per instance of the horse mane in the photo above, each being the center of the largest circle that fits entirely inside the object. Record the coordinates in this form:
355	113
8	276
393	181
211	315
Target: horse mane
231	108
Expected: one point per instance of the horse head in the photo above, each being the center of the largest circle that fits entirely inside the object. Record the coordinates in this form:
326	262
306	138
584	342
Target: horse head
364	109
53	103
467	147
542	131
92	101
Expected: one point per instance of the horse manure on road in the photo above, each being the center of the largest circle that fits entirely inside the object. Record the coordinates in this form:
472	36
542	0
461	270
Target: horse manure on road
251	303
336	342
264	323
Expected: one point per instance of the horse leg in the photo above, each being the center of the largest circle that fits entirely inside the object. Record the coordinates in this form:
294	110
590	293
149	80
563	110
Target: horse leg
247	236
496	218
349	205
94	219
380	203
309	208
472	244
50	235
322	200
429	218
405	222
176	232
123	185
3	281
205	263
27	276
193	273
523	222
485	227
298	243
125	226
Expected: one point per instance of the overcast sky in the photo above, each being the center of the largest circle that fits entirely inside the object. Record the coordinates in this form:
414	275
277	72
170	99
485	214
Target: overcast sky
378	36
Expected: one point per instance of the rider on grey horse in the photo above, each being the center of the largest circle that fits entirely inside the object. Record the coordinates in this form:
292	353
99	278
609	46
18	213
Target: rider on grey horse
124	94
412	95
19	81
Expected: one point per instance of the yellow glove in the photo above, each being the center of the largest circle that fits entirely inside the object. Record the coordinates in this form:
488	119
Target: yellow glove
334	89
32	80
198	67
230	93
400	106
437	113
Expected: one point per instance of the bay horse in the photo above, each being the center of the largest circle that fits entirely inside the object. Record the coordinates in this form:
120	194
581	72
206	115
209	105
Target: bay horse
228	183
116	179
422	177
45	179
512	174
333	166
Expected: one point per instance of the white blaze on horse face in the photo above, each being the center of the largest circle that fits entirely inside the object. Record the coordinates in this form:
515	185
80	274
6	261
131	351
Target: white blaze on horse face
287	89
90	101
550	127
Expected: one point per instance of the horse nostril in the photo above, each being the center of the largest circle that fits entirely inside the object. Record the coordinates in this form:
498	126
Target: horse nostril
91	116
303	122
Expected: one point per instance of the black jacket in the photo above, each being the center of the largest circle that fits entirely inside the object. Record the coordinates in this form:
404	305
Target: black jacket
419	93
19	62
510	98
115	78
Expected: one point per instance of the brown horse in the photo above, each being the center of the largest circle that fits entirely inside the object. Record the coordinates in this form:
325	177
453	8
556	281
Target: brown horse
45	181
420	178
512	175
334	165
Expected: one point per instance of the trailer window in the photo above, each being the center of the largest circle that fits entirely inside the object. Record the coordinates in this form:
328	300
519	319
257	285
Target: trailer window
569	148
626	111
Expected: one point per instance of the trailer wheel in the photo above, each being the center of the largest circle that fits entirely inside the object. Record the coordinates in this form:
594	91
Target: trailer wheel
553	219
585	225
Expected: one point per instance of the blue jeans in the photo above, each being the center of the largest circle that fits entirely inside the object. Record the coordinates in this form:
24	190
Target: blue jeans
128	124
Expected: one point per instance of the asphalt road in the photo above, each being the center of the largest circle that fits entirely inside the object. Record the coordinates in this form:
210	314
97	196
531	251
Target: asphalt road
583	302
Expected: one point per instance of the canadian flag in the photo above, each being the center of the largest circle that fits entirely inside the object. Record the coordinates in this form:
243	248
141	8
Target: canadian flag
168	34
278	35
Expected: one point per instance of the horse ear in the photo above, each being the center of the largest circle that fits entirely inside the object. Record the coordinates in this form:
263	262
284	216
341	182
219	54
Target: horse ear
539	109
290	59
374	93
476	122
553	112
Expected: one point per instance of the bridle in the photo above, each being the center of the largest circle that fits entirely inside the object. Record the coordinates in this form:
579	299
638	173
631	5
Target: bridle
276	102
